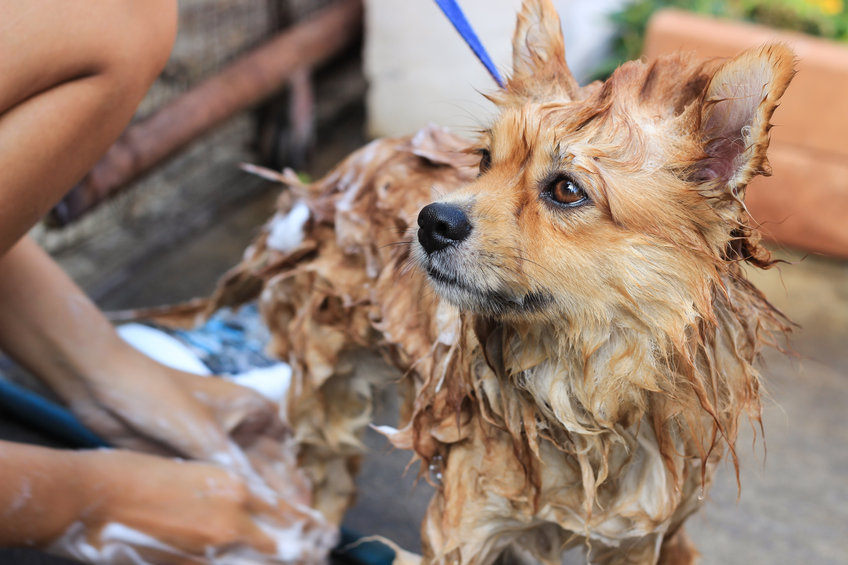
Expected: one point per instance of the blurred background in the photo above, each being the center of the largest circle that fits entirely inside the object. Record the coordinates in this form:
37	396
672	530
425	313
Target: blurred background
301	83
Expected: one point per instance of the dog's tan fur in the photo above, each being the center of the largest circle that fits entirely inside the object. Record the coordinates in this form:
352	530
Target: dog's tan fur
601	356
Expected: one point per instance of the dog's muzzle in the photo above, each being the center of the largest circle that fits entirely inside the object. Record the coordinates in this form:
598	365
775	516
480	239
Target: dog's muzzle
442	225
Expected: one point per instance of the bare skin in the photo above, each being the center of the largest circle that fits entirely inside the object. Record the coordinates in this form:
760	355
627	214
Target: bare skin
79	71
216	507
50	327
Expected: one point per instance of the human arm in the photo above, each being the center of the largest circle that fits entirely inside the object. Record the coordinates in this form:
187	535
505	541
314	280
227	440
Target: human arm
86	504
50	327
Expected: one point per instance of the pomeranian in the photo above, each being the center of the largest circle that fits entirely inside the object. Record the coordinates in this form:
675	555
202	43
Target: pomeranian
565	296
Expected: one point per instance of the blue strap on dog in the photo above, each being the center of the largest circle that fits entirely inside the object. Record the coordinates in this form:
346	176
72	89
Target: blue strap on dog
454	13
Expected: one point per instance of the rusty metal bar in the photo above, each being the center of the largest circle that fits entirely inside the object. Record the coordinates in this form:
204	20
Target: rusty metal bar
242	84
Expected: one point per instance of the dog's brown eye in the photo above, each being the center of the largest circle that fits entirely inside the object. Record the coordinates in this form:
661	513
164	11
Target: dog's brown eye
564	191
485	160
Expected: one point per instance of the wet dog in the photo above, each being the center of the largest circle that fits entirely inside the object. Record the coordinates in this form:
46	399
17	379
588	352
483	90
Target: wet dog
565	295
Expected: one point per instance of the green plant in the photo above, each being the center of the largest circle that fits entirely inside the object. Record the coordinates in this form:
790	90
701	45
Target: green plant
823	18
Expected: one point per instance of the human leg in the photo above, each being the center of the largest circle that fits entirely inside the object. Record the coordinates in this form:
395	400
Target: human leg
78	72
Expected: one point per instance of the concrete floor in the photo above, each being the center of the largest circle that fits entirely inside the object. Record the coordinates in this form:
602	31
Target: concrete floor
793	507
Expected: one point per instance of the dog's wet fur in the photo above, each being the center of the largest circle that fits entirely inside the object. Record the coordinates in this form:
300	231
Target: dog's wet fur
567	300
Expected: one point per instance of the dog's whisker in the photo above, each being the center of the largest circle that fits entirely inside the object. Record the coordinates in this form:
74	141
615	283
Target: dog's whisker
394	244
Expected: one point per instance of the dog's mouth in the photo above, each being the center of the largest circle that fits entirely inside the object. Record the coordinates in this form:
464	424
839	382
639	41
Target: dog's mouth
445	279
484	301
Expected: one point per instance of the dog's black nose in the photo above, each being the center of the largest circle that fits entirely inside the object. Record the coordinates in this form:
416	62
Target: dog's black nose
441	225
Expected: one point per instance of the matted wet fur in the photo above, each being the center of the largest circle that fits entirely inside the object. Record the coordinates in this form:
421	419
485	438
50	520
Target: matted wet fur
576	332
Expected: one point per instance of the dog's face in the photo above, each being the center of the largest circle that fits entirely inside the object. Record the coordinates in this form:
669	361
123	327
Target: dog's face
615	198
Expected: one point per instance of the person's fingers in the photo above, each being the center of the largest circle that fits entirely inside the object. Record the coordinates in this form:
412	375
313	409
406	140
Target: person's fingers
191	434
141	444
254	423
255	537
151	401
172	412
301	529
116	433
241	533
175	510
125	553
276	463
243	414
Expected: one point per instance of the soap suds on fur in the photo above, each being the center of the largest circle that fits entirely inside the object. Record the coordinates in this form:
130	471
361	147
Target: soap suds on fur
285	231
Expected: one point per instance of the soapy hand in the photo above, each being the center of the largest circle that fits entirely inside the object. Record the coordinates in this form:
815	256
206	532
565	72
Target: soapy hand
134	402
148	509
242	499
246	502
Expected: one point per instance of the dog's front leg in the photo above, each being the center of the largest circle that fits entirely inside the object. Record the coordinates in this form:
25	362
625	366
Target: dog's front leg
491	499
678	549
486	503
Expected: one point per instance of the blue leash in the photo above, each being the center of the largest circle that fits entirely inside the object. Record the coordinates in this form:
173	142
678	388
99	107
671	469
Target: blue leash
460	22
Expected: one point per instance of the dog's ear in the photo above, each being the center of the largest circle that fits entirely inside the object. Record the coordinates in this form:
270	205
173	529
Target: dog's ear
734	115
538	53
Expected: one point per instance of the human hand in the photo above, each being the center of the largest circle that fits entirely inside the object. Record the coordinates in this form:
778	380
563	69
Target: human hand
135	402
51	327
148	407
126	502
148	509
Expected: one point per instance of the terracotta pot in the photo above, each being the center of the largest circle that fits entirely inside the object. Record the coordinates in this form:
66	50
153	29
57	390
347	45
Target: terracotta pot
805	202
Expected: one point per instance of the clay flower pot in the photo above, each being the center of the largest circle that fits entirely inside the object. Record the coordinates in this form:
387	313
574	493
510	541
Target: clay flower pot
805	203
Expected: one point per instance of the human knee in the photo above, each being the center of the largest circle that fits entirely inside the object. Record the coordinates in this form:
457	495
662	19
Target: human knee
141	43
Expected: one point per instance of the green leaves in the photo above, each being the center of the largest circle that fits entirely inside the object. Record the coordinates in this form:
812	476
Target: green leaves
822	18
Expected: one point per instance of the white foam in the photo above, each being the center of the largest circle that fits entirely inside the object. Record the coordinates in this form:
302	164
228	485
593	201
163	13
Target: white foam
163	348
21	499
285	232
119	545
271	382
385	430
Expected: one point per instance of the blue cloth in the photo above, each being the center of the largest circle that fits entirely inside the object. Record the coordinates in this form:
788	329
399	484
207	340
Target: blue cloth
230	342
